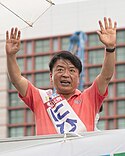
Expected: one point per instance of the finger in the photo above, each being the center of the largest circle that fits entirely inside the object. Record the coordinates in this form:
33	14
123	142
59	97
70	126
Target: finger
11	34
98	32
15	32
115	25
18	35
101	26
110	22
106	23
7	35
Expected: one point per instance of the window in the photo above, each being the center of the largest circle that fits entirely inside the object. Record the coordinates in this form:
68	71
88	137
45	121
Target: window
111	90
29	77
101	125
29	116
121	89
21	51
96	56
29	47
120	36
120	55
11	86
93	40
42	46
120	107
29	64
93	72
111	124
14	100
16	131
120	69
65	42
42	80
29	131
41	62
16	116
110	108
55	44
121	123
21	63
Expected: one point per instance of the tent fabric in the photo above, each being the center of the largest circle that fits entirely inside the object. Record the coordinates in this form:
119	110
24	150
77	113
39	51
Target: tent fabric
100	143
22	17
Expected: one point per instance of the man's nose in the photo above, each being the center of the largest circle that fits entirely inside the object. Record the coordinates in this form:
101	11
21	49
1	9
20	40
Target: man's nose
66	73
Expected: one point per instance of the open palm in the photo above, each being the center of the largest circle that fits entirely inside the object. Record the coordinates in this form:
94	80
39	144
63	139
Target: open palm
12	41
107	34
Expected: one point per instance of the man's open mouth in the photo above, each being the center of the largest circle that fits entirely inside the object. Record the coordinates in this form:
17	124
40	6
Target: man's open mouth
65	83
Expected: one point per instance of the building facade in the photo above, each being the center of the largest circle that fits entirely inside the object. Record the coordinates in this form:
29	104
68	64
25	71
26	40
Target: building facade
33	61
3	91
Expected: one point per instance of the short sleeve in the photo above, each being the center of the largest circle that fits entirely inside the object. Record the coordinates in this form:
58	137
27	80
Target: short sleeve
31	94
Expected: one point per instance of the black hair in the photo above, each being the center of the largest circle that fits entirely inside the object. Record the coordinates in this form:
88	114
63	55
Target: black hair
67	55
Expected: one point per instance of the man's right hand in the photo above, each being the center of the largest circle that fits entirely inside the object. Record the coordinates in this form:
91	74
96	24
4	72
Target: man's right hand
13	41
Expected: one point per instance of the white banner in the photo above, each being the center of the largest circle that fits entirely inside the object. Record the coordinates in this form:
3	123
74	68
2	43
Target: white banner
103	143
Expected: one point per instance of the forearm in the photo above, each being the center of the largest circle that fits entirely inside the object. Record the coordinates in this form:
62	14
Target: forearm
108	66
13	69
20	83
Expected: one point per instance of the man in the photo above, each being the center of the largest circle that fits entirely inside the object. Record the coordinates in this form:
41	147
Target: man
67	109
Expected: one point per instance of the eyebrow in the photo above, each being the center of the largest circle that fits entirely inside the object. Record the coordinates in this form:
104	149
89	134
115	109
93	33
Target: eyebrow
59	66
64	67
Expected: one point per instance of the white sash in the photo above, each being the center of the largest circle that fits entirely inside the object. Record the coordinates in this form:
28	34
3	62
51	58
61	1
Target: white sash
64	119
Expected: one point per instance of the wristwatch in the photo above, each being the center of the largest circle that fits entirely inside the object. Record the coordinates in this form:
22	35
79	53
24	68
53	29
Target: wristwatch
110	50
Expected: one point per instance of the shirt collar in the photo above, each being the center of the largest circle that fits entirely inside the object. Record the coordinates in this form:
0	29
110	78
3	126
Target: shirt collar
77	92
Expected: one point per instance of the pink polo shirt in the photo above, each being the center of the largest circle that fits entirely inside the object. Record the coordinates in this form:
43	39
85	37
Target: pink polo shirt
86	105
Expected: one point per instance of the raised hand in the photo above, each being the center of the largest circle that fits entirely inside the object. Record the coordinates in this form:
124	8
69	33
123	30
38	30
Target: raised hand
107	33
12	41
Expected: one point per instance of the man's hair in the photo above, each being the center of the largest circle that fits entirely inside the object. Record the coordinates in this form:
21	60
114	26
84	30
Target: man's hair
67	56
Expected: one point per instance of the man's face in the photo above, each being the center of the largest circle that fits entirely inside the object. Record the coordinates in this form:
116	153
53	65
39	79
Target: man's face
65	77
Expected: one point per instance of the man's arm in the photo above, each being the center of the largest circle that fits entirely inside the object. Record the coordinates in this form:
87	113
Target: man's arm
107	36
12	47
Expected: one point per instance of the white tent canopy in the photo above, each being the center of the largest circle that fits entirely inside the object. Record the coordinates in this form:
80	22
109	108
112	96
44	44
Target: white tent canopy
109	142
21	13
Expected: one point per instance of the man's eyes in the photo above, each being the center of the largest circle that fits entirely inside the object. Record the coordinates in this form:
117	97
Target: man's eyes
72	70
60	69
63	70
